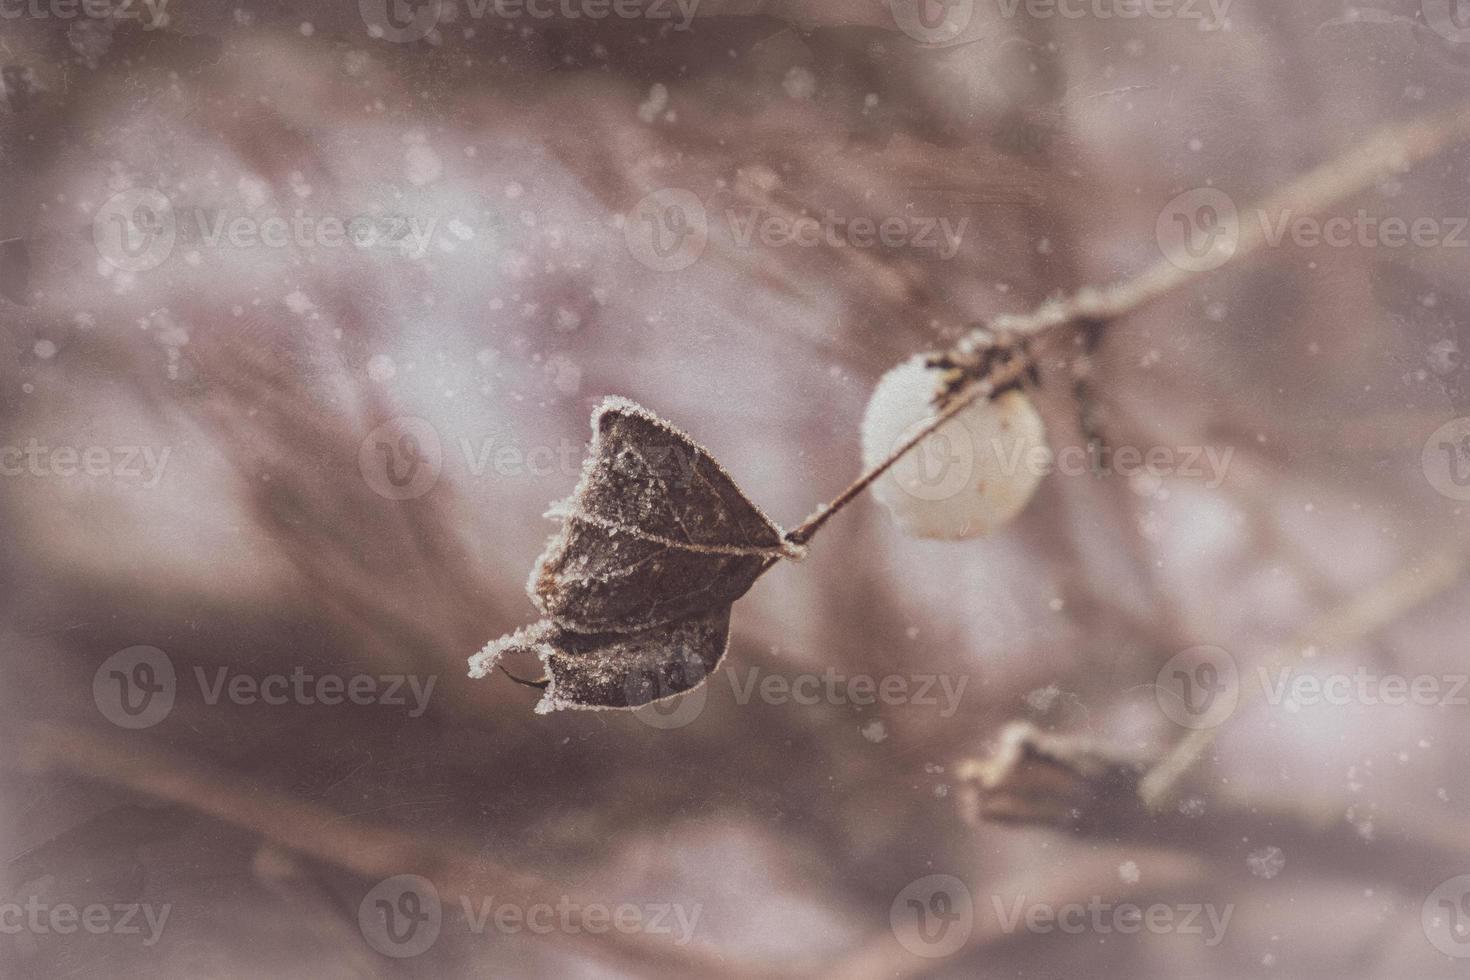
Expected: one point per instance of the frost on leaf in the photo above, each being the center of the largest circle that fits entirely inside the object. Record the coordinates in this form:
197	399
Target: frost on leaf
655	544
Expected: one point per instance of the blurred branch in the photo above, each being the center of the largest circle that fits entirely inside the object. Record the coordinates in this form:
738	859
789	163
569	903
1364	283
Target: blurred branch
1080	787
1390	151
994	356
321	833
882	956
1359	616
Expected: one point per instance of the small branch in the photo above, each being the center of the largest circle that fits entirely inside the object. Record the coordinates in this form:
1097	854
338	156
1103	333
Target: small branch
1391	151
1357	617
321	833
984	388
1088	790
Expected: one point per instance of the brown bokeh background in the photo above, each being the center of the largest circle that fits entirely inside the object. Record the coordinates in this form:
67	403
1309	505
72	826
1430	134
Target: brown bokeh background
263	548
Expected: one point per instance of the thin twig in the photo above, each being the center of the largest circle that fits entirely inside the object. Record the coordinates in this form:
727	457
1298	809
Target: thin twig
367	850
1390	151
1080	787
803	532
1357	617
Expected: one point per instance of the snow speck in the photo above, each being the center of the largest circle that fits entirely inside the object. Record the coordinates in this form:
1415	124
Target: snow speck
799	83
253	191
1266	862
307	30
567	320
1128	872
1444	357
45	349
874	731
566	376
298	302
514	190
421	164
380	367
656	103
1041	699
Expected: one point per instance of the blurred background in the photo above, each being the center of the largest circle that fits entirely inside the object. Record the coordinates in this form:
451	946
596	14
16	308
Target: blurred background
305	308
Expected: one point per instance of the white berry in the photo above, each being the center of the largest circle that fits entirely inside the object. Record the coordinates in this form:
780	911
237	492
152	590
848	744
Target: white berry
967	478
